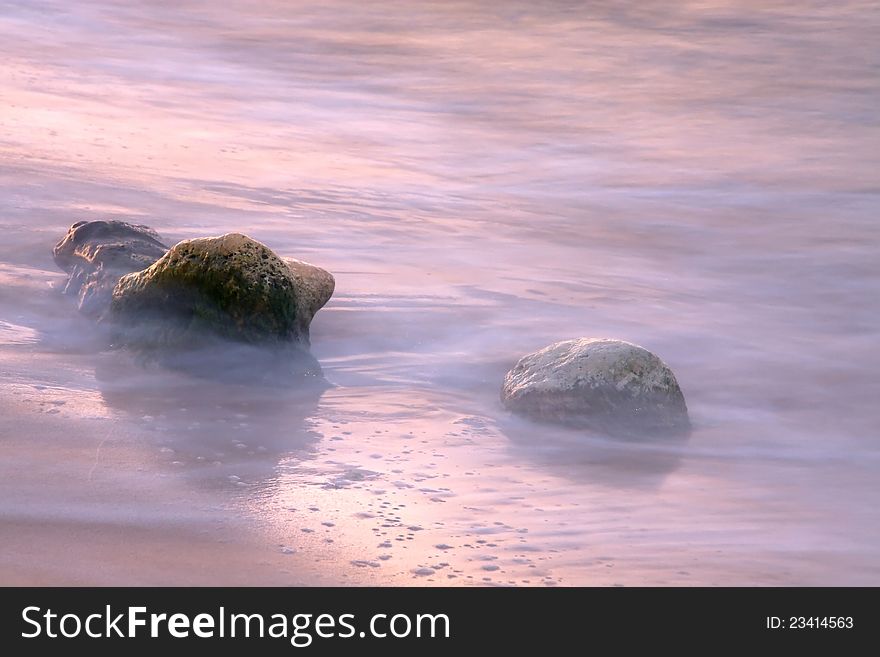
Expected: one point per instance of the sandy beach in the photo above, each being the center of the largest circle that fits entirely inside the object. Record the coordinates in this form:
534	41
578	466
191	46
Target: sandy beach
482	179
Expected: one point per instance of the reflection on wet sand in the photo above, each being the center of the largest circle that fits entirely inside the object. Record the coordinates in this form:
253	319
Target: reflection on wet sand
483	179
599	459
227	412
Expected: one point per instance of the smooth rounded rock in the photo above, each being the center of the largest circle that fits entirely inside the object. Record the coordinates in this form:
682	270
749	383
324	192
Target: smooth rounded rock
602	384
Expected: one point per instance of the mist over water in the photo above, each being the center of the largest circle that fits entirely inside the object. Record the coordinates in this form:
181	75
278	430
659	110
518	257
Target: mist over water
482	179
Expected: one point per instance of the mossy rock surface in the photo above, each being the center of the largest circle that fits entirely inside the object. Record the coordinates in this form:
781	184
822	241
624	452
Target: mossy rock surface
602	384
229	286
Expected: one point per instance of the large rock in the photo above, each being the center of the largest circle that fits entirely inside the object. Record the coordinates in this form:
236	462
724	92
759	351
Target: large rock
96	254
230	286
607	385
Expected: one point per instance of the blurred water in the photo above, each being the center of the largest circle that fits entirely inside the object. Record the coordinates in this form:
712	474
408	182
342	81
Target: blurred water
482	178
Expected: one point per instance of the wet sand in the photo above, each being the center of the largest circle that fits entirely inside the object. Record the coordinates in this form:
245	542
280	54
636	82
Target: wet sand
482	179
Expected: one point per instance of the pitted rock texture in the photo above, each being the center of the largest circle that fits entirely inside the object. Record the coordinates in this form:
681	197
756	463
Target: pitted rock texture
229	286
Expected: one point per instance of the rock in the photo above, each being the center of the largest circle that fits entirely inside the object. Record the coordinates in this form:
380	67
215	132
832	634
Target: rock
96	254
607	385
314	287
230	286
